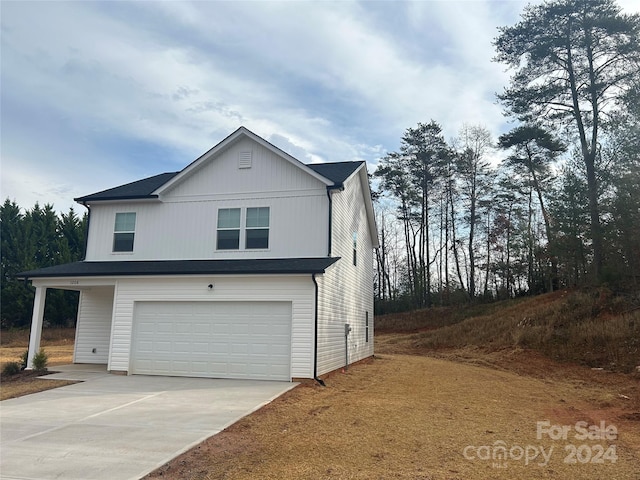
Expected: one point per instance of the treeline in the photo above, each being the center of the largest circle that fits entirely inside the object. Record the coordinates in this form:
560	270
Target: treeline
554	202
34	239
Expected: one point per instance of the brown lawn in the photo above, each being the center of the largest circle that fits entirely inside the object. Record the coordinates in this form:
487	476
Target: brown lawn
417	414
58	345
415	417
26	383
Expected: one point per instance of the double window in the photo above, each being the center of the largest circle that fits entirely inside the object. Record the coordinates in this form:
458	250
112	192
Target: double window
124	232
254	235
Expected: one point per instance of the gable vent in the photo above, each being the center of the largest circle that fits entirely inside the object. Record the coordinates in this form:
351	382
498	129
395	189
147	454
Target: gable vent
244	160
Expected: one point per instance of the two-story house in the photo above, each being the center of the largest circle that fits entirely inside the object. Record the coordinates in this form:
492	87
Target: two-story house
245	264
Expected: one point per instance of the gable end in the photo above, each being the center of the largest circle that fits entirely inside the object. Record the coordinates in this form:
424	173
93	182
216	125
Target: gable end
240	133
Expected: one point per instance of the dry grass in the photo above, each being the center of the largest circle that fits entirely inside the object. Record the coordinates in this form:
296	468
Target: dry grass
50	336
56	342
411	417
437	317
592	327
58	345
25	385
58	354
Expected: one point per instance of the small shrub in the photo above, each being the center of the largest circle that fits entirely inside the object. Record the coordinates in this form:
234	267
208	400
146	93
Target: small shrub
40	360
11	368
23	359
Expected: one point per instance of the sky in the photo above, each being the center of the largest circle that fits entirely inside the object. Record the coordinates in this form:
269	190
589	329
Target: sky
99	94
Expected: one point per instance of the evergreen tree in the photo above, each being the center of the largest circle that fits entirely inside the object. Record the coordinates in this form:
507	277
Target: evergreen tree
534	149
573	60
38	238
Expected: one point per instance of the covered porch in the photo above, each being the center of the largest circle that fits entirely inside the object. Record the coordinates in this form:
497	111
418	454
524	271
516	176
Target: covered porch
93	322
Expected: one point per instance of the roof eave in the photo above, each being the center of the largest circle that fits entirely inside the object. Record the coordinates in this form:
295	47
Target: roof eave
373	227
88	199
51	272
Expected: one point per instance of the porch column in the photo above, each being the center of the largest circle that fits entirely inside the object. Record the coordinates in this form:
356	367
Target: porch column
36	324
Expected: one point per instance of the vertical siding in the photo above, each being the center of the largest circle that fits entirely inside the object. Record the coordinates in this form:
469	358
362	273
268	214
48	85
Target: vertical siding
269	173
93	329
183	224
346	291
299	290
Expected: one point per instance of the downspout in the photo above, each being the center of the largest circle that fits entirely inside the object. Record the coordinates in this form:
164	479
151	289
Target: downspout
330	188
86	235
315	337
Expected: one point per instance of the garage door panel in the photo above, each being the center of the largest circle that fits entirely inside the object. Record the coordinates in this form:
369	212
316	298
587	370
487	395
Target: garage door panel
213	339
219	329
200	347
242	349
202	328
160	364
165	327
184	328
240	329
259	349
182	348
279	330
280	350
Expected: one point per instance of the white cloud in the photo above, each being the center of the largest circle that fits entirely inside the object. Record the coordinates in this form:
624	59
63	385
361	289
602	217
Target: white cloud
97	94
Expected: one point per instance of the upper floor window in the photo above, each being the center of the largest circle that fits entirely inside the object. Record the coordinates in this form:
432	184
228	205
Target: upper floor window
355	248
257	228
124	232
249	227
228	229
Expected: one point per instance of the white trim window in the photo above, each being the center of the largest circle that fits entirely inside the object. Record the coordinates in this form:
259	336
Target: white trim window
355	248
257	228
228	229
248	227
124	232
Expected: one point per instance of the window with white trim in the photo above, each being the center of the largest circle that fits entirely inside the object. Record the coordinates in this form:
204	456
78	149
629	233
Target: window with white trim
257	228
228	229
355	248
366	327
124	232
248	227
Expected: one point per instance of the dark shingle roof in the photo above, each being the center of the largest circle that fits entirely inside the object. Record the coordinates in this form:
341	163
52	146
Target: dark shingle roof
134	190
185	267
337	172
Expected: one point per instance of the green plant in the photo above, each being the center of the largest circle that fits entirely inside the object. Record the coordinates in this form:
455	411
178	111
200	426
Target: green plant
40	360
11	368
23	359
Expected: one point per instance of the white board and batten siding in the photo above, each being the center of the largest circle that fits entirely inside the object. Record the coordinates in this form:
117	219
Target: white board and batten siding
297	291
346	290
297	201
93	332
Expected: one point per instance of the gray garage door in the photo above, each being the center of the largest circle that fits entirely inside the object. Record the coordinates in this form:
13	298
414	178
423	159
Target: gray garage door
212	339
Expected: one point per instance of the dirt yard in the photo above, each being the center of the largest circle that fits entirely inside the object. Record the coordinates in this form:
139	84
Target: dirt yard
414	417
449	414
58	345
56	342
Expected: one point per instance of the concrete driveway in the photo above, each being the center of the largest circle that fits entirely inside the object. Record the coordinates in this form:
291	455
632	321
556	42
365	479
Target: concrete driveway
119	427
